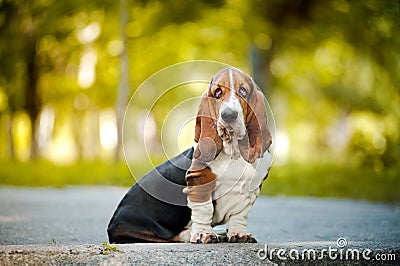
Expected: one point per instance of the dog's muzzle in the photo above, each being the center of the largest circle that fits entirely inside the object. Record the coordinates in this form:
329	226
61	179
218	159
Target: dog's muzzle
229	115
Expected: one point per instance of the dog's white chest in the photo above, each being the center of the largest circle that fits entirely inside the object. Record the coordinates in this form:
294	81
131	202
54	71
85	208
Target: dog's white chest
237	185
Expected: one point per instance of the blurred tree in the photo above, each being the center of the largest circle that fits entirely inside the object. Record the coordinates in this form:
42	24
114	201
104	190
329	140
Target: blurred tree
340	57
24	25
36	31
123	90
337	56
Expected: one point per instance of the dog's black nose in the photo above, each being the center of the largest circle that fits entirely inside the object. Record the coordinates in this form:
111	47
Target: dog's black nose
229	115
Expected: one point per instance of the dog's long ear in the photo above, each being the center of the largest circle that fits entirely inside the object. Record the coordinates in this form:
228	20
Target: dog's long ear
258	138
199	177
209	144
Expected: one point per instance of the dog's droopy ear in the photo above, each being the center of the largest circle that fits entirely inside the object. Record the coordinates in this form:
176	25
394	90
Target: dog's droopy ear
258	138
209	144
199	177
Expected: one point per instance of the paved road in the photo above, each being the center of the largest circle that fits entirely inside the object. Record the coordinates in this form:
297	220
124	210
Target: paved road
79	215
67	226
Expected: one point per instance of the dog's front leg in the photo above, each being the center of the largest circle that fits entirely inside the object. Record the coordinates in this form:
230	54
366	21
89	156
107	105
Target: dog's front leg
201	231
200	185
237	227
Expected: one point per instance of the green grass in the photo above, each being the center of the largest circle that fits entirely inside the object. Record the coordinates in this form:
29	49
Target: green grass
319	180
44	173
337	181
107	249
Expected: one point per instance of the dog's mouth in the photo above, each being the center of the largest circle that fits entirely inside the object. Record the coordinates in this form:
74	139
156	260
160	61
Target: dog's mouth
229	131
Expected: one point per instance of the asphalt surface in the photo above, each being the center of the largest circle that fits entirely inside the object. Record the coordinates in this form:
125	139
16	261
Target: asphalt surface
73	220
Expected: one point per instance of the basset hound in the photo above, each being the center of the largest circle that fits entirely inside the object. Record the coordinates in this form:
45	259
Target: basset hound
221	174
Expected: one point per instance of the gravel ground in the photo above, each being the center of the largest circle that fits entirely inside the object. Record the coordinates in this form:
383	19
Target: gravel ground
181	254
68	226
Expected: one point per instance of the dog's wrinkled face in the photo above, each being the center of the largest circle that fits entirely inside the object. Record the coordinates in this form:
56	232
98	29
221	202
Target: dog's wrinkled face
231	117
232	89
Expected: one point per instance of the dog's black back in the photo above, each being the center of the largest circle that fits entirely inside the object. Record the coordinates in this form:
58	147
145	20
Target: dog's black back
140	217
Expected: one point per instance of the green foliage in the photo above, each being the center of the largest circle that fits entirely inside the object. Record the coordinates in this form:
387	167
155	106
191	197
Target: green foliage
107	249
330	70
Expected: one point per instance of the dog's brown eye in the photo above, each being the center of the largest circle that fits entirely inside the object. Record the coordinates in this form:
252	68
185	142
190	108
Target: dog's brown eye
218	93
242	92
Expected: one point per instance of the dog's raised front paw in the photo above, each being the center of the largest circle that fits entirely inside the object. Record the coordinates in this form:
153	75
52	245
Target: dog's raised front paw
241	238
204	237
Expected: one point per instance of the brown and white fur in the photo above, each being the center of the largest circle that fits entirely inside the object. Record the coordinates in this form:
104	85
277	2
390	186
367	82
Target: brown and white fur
230	160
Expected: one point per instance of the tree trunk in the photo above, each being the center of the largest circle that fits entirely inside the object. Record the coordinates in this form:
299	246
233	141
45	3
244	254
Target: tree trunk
260	61
10	136
124	80
32	99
